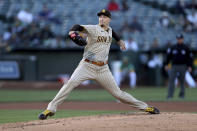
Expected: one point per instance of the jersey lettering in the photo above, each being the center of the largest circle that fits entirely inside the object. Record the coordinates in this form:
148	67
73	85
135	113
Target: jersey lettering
104	39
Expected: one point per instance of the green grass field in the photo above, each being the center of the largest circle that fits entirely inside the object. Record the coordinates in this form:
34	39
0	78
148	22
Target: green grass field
145	94
11	116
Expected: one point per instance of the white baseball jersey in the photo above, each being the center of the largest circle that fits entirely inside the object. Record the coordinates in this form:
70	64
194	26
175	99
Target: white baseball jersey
98	43
97	49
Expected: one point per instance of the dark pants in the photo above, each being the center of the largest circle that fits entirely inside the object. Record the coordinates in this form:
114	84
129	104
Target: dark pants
177	71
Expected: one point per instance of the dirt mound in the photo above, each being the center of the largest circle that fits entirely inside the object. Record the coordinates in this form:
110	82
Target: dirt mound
122	122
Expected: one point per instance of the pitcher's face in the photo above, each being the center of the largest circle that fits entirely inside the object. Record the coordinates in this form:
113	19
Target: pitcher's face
104	20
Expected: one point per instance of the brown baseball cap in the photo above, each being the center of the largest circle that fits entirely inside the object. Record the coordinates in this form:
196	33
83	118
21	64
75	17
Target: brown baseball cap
104	12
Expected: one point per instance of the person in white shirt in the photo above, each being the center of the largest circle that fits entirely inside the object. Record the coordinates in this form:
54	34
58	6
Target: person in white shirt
25	16
131	45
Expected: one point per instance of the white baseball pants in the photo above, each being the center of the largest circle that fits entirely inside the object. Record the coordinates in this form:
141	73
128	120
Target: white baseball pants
102	75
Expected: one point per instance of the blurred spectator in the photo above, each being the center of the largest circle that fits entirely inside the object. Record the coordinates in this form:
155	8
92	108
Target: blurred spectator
2	45
135	25
125	6
165	20
192	19
155	44
30	35
57	42
113	6
183	24
195	68
46	33
7	34
156	59
179	7
14	41
124	27
47	15
192	4
17	25
180	22
167	45
131	45
190	80
23	36
126	70
35	34
25	16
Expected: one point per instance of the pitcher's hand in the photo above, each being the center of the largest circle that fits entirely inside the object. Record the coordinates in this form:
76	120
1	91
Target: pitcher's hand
122	45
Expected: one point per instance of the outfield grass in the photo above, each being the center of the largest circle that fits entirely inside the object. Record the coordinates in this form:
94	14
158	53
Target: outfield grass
145	94
11	116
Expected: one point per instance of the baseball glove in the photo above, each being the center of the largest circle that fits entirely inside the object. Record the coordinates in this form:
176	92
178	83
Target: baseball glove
77	39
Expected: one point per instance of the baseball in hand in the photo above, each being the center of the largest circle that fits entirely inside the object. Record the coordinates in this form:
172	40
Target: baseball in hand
122	45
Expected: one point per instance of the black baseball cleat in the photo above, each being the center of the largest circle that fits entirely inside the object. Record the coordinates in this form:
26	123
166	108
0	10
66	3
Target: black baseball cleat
152	110
45	114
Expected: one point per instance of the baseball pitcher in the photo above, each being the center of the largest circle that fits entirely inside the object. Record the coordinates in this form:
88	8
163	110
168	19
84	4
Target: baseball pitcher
94	65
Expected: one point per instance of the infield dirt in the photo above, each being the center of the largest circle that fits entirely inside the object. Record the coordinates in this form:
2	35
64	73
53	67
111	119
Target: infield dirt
171	118
122	122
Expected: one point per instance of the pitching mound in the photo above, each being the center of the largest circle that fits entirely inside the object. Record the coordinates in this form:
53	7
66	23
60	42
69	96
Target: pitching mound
124	122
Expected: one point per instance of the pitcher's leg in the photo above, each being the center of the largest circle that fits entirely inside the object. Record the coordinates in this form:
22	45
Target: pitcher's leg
107	81
62	94
80	74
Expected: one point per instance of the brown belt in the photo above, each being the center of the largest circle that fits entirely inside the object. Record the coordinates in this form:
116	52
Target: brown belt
96	63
